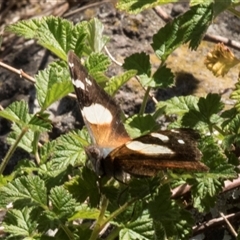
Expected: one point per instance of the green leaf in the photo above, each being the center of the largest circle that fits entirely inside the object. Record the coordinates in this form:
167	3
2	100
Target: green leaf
117	82
97	62
40	122
204	192
207	114
55	35
210	105
139	62
5	179
159	230
179	105
30	189
141	228
63	204
85	187
136	6
233	136
195	2
162	208
213	155
189	27
69	149
84	212
181	228
26	141
47	151
175	221
25	166
20	223
142	187
17	112
95	40
235	95
220	6
139	125
162	78
52	84
25	28
79	35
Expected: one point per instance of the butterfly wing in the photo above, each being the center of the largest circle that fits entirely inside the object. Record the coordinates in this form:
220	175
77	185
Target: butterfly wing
147	155
101	114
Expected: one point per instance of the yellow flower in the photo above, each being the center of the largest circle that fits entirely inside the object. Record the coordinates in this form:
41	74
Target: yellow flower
220	60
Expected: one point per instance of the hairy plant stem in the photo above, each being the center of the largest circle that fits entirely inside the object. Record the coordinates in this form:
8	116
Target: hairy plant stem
12	150
118	211
35	147
99	223
67	231
113	234
144	103
219	130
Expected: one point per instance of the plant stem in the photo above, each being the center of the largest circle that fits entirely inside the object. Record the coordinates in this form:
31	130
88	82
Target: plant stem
11	150
67	231
144	103
99	223
35	147
118	211
219	130
113	234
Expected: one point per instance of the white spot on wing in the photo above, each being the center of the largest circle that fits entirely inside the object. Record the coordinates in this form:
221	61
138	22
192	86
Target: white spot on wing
181	141
148	149
162	137
97	114
71	65
88	82
78	84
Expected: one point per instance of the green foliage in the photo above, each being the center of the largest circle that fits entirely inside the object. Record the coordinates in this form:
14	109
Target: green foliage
52	84
58	187
116	82
19	223
189	27
140	62
135	6
168	213
235	95
139	125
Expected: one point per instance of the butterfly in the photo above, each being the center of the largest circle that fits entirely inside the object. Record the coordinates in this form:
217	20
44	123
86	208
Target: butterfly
112	151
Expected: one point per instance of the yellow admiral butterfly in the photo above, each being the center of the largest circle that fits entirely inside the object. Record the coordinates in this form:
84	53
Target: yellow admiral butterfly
113	152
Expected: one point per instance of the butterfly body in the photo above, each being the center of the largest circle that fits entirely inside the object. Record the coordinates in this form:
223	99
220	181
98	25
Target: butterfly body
112	151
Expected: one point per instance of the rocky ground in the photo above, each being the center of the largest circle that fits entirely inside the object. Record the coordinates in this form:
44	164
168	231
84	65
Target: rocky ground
128	34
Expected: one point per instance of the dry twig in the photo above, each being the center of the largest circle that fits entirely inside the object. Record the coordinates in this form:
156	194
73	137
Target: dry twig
214	222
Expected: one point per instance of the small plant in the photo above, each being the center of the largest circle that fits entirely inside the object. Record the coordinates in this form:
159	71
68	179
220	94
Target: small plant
81	206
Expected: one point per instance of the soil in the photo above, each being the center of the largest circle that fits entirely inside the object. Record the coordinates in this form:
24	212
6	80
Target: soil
128	34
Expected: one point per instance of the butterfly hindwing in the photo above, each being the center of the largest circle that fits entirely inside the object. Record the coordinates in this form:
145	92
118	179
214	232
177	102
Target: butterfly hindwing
146	155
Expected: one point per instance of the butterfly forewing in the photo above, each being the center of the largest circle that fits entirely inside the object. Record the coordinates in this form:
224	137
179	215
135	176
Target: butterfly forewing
100	113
